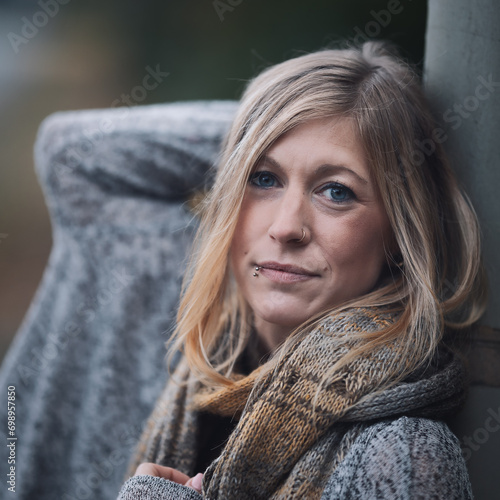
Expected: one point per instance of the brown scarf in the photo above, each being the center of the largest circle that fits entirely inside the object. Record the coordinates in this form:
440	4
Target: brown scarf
290	437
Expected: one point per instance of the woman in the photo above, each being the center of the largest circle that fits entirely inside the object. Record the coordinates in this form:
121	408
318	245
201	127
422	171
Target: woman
334	267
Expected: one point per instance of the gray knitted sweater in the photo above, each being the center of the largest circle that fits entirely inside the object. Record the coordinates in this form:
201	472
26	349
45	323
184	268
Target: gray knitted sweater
88	361
403	459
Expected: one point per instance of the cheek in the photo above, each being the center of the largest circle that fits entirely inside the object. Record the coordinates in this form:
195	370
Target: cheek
251	224
237	252
241	238
245	235
357	244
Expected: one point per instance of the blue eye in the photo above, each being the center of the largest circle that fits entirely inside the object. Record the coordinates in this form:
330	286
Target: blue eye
339	193
263	179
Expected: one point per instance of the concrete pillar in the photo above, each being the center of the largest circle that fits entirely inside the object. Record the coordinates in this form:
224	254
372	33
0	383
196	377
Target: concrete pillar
462	80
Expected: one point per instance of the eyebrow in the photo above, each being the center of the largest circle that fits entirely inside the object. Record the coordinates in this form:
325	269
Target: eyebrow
321	170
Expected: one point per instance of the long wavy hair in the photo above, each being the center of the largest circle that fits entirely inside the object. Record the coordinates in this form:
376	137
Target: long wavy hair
441	285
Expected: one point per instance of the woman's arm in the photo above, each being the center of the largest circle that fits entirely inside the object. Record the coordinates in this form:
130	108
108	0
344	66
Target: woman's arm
90	162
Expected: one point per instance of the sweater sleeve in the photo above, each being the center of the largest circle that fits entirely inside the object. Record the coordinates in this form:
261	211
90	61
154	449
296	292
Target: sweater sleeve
155	488
407	459
100	167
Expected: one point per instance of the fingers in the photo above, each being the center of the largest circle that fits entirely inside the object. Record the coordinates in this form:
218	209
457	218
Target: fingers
195	482
150	469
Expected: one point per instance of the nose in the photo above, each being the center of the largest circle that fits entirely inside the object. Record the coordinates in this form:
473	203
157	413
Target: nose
288	217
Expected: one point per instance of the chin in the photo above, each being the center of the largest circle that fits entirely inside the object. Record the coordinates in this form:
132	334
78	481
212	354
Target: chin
283	317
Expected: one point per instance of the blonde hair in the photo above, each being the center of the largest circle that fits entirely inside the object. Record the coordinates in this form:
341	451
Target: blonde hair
442	284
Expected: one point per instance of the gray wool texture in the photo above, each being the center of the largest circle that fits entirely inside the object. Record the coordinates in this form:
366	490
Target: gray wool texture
408	458
88	362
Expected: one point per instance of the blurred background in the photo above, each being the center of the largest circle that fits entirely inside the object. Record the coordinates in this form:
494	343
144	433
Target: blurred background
74	54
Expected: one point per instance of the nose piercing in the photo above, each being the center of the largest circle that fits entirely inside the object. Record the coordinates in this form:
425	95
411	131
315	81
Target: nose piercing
303	235
256	273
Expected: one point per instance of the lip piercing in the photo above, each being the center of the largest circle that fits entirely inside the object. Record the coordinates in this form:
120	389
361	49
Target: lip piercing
303	235
257	269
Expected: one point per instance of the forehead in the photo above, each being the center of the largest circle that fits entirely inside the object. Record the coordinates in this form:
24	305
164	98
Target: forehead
325	141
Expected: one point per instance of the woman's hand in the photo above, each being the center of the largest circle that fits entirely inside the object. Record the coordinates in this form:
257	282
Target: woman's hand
174	475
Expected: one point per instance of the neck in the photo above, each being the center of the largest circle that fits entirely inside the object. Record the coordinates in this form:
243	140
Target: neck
270	335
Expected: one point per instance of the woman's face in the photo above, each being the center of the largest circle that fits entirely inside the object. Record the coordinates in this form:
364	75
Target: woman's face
313	182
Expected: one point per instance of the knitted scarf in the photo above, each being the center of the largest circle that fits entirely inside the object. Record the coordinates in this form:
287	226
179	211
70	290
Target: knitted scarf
294	430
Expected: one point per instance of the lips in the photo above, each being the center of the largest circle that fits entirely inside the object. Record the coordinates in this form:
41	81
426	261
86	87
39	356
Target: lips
287	273
286	268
